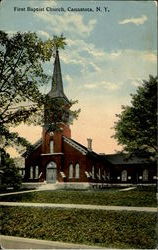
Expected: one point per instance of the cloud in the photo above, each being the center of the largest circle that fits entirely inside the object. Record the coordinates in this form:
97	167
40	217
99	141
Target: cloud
90	48
110	85
92	60
150	57
108	71
11	32
137	21
73	23
90	86
43	33
14	32
95	67
103	85
118	71
115	54
135	82
83	54
43	4
68	78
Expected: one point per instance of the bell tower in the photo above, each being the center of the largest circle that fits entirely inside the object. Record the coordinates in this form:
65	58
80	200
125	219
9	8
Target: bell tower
56	113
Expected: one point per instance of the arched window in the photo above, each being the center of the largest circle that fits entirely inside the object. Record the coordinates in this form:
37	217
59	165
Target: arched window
124	175
145	175
93	173
70	171
52	164
31	172
104	175
77	171
51	146
36	172
99	173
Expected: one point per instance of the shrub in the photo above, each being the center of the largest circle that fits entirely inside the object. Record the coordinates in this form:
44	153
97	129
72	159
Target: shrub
10	176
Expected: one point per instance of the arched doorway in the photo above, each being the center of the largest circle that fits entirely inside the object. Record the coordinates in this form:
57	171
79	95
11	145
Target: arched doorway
145	175
124	175
51	172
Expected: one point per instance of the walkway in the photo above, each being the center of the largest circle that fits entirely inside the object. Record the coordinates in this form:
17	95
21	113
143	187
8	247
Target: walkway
50	187
79	206
127	189
10	242
20	192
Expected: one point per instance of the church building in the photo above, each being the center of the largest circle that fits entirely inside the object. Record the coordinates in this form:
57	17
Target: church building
57	158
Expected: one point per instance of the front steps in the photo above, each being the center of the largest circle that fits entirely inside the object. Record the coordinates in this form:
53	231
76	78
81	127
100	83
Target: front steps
48	186
58	185
62	185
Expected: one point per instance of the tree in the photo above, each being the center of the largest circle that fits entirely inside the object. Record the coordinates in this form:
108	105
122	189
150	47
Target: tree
21	76
10	176
136	127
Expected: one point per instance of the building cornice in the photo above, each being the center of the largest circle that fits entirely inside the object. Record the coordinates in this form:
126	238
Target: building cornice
52	154
74	145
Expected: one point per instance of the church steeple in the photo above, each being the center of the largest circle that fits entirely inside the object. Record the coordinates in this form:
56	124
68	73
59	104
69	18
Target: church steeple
57	83
54	115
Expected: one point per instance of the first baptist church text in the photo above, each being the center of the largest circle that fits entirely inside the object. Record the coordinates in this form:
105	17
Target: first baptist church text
60	9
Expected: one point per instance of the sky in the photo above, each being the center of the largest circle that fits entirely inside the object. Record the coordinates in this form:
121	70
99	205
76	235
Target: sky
108	54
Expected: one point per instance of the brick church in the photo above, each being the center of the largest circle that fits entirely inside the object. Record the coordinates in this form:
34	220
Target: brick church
57	158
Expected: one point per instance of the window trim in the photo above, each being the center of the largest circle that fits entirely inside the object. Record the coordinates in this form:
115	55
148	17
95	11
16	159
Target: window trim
51	146
71	171
31	172
36	172
93	172
77	171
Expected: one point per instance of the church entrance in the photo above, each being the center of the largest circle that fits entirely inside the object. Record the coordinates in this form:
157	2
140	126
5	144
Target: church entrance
51	172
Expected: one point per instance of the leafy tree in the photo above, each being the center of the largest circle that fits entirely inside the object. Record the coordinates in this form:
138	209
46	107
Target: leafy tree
21	76
136	127
10	176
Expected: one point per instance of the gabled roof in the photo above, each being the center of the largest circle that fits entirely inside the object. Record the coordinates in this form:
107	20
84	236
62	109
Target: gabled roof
37	143
121	159
84	150
33	147
76	145
81	148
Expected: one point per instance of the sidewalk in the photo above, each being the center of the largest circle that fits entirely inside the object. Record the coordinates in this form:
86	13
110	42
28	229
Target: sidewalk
10	242
79	206
20	192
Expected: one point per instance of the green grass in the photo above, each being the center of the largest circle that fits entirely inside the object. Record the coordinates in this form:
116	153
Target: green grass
101	228
142	196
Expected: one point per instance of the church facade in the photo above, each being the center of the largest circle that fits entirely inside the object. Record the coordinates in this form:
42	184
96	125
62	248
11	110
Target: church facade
57	158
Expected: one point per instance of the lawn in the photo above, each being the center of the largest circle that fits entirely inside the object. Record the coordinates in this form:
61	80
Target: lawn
141	196
100	228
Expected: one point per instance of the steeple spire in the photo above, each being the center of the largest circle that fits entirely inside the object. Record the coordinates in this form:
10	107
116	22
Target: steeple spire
57	83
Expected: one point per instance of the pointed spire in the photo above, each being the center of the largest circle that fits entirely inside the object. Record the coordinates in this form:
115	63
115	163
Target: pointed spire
57	83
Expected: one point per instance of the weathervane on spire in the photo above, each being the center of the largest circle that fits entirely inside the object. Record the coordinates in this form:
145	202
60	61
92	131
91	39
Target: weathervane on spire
58	42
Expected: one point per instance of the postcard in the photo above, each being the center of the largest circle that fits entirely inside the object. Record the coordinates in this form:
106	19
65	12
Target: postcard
96	54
